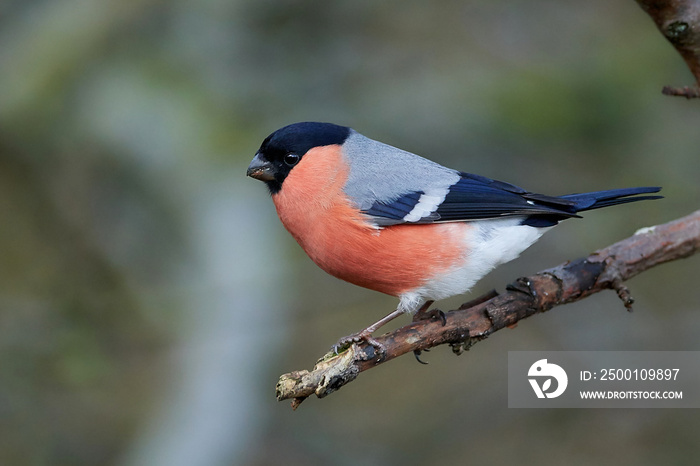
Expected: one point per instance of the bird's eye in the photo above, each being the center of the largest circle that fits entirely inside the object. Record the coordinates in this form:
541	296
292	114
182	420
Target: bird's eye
291	159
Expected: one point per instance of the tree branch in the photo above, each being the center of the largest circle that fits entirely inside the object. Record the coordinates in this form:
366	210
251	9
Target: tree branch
605	269
679	22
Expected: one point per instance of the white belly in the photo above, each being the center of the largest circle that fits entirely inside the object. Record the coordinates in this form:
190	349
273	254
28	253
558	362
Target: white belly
490	244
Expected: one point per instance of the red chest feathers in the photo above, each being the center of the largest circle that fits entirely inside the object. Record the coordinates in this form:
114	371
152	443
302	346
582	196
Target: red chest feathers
315	210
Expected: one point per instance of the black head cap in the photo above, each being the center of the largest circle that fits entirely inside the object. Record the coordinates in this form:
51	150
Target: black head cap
284	148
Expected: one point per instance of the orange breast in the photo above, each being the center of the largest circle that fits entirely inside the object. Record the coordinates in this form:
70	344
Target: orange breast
337	237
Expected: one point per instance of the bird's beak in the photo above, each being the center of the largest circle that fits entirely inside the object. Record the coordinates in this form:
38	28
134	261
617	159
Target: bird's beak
260	169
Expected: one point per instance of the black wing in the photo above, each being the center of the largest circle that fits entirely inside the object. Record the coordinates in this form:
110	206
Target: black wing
476	197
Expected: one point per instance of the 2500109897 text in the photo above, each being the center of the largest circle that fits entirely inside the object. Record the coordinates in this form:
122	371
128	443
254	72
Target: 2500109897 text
639	374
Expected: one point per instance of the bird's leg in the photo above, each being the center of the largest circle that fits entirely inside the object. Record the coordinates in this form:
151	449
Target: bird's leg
424	314
481	299
366	334
420	314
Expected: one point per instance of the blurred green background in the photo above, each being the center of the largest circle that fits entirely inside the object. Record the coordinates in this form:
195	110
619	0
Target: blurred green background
150	297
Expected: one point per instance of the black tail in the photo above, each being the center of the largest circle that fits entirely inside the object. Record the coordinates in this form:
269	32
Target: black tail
598	199
574	203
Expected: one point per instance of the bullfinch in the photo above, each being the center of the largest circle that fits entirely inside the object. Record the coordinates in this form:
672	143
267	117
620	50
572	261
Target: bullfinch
392	221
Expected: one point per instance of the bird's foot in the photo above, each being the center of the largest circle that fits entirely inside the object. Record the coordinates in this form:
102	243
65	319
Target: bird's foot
359	337
425	314
417	354
429	315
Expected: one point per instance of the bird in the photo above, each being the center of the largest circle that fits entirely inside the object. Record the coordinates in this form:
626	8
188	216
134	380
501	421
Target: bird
392	221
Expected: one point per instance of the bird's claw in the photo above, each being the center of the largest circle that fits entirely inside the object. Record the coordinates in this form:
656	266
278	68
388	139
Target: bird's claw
432	314
359	337
424	314
417	354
